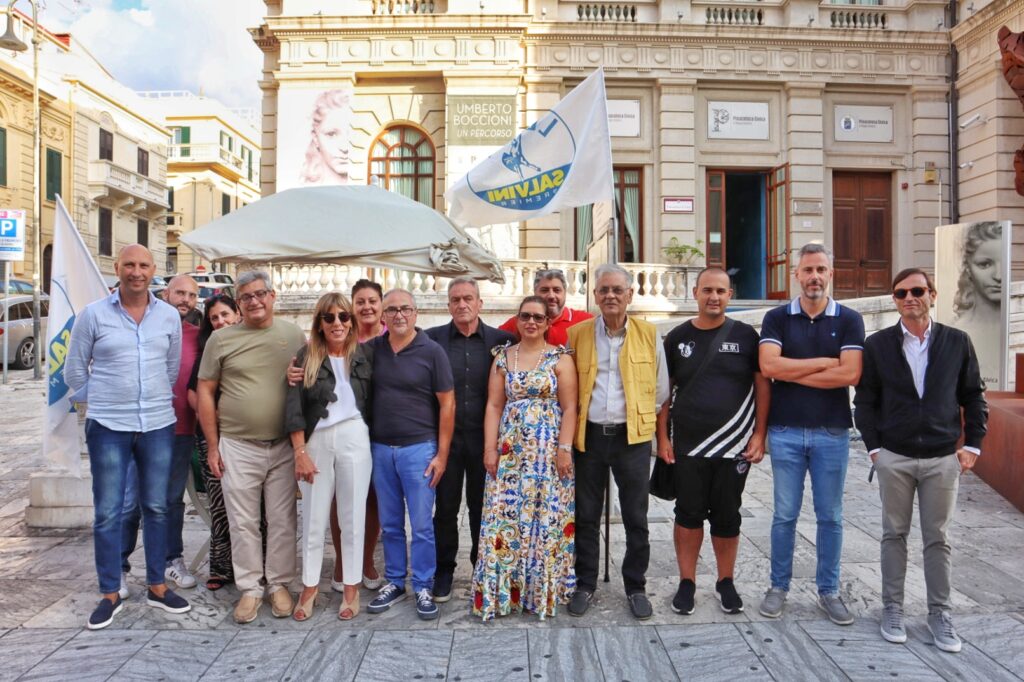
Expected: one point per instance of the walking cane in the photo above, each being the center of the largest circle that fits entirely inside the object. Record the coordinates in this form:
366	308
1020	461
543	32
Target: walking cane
607	522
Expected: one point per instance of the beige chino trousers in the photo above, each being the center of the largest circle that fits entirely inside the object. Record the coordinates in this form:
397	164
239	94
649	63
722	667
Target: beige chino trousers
936	481
253	469
341	454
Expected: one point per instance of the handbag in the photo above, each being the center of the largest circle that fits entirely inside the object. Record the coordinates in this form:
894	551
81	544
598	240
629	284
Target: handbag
663	476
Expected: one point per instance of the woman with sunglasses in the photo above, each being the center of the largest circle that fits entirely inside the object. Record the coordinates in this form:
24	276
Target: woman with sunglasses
219	311
331	439
527	533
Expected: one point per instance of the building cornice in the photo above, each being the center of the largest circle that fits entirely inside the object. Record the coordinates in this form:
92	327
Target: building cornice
985	22
75	82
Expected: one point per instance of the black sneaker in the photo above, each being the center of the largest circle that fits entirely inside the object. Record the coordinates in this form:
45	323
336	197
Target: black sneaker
104	613
388	595
170	602
726	591
580	602
426	609
442	587
683	601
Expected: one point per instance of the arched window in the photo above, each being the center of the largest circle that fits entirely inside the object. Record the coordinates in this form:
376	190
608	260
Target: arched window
402	160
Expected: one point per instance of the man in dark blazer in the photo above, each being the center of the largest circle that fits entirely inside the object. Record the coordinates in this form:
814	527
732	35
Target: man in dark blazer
920	378
468	342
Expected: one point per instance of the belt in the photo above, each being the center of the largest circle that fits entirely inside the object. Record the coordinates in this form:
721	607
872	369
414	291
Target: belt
606	429
265	443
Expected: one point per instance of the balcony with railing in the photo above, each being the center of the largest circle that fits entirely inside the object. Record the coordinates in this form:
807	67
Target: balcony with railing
210	154
110	183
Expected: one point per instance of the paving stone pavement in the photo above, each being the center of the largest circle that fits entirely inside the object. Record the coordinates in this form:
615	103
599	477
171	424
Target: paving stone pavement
48	588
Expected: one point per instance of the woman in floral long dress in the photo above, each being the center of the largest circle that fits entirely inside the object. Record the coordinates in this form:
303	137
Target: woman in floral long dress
527	535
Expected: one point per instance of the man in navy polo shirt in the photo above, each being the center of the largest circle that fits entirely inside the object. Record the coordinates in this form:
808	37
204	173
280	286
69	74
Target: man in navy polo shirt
812	349
413	409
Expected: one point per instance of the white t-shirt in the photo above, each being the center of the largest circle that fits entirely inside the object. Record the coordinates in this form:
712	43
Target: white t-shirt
345	406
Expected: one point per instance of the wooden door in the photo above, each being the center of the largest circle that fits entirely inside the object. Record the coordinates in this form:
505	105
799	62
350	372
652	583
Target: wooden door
778	233
714	220
861	233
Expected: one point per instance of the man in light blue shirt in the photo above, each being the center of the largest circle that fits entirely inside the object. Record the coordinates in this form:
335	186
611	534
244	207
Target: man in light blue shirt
123	360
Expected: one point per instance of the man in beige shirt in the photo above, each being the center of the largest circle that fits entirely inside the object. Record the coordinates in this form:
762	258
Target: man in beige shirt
248	446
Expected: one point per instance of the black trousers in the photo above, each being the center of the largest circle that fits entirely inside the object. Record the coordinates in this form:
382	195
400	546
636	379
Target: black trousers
465	463
631	467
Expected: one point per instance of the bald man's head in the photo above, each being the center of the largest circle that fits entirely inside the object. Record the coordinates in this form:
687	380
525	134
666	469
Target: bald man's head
182	292
134	268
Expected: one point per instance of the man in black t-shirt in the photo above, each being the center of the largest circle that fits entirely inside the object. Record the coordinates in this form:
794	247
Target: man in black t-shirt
712	433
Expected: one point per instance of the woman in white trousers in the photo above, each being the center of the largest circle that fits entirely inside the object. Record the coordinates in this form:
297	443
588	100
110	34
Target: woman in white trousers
331	440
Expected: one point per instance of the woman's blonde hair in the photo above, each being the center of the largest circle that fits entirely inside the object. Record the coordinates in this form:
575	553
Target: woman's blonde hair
316	351
313	165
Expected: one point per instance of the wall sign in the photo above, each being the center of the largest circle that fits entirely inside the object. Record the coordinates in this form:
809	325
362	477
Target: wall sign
738	120
481	119
12	235
862	124
677	204
624	117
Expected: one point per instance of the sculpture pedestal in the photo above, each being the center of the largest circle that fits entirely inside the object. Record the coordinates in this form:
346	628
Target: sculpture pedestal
58	499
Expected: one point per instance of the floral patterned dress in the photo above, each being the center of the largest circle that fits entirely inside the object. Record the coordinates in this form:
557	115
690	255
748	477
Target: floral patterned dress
527	533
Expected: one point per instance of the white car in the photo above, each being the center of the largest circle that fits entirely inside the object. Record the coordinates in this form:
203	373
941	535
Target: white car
208	278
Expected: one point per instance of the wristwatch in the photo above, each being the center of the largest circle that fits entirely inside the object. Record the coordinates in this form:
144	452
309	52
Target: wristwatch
565	447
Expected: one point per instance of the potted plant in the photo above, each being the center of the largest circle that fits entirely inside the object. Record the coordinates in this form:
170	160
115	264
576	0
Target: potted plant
683	254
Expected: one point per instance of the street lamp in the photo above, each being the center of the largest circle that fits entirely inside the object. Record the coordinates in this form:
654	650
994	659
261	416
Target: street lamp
9	41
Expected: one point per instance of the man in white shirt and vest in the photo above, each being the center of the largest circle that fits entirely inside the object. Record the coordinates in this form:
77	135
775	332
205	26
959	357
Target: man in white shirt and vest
623	381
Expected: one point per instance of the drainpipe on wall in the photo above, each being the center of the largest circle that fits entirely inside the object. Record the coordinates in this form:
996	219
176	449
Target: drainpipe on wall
954	131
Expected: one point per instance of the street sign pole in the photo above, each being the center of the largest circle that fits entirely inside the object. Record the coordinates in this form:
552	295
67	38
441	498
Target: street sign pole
7	316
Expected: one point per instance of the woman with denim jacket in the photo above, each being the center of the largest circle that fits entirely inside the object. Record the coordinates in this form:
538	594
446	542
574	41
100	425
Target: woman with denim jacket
330	436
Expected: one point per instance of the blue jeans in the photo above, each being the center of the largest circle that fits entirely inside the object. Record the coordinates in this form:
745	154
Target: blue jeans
399	481
181	464
109	455
825	452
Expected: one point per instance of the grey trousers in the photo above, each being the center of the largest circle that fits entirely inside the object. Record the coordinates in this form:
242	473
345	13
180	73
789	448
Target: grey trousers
936	481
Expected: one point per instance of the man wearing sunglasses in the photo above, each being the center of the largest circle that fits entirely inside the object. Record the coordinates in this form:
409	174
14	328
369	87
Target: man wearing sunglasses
551	286
468	343
920	382
248	446
623	383
413	408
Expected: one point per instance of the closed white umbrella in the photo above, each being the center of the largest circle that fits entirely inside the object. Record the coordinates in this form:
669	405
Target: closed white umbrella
346	225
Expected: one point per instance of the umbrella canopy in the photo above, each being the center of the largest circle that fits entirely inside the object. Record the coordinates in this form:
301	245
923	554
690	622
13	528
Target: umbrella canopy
347	225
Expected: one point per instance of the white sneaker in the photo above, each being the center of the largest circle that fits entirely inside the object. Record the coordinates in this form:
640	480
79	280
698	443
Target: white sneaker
179	573
123	591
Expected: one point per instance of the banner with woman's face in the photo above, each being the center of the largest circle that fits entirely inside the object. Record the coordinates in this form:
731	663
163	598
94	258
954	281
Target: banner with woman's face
314	137
972	275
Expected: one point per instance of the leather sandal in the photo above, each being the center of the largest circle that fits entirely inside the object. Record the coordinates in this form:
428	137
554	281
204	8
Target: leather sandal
352	606
305	608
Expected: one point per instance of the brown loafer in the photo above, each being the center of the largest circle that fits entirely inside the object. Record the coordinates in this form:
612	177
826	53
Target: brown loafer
281	603
247	609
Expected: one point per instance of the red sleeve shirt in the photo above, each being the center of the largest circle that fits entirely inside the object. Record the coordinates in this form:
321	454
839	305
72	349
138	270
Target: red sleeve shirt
557	335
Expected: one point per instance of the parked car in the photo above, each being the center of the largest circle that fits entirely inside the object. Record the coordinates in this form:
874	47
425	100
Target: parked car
203	278
208	290
21	345
16	287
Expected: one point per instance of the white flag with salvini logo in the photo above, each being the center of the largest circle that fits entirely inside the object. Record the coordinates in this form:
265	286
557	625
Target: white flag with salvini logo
562	160
76	282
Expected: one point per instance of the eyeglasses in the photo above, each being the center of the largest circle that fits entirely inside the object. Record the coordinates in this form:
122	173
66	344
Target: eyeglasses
532	317
618	291
329	318
246	299
916	292
405	310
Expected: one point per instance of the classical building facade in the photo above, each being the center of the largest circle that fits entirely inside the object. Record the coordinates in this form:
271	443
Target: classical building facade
102	151
741	128
213	166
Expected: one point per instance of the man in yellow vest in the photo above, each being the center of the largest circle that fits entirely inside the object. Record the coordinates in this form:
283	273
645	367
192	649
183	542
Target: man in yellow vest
623	382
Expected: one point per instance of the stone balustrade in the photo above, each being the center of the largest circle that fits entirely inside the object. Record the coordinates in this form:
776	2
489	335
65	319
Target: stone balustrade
734	16
603	11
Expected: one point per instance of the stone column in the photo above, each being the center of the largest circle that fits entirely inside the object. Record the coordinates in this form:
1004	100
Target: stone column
804	145
676	173
929	121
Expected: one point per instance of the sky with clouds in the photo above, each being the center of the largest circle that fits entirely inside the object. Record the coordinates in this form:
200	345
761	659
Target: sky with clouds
168	44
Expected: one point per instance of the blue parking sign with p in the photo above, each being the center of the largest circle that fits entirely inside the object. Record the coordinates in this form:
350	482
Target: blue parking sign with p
12	235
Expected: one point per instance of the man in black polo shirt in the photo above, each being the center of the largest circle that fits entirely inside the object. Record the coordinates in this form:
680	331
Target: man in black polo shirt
918	375
468	343
811	348
413	416
712	443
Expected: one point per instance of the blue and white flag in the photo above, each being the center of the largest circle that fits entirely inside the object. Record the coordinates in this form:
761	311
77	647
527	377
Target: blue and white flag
75	283
561	161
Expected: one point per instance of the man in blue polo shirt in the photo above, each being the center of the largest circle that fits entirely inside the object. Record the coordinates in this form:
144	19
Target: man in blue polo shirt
812	349
413	408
